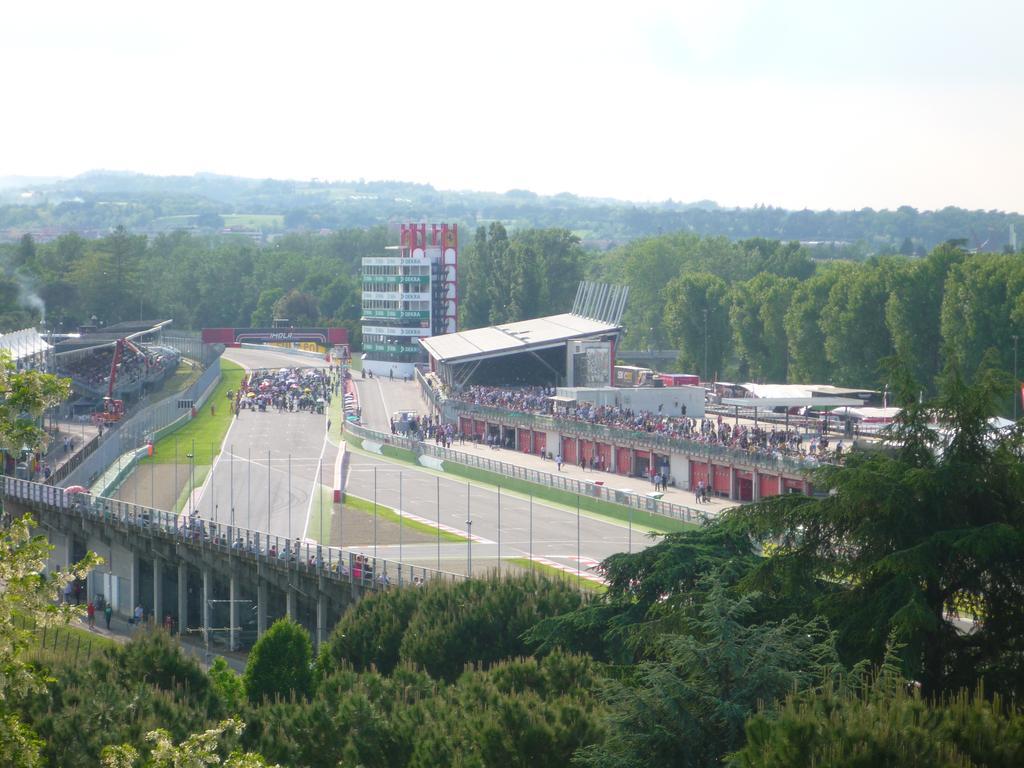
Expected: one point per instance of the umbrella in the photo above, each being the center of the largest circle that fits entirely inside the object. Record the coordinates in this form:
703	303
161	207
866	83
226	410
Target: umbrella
251	394
77	489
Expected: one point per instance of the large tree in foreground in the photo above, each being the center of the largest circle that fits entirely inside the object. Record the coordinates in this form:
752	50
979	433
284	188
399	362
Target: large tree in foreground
913	537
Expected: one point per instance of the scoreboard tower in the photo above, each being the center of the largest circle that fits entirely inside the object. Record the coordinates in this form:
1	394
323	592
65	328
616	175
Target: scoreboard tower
407	295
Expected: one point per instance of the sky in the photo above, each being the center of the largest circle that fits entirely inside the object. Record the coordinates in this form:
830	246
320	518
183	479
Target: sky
794	103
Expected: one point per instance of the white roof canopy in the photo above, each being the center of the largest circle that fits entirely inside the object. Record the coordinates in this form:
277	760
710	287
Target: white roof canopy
527	335
23	344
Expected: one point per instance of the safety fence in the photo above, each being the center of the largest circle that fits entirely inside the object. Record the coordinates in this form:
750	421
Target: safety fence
594	489
193	530
192	347
74	461
149	424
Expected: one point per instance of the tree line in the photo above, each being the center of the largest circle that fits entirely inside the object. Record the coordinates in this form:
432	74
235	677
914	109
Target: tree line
102	201
754	309
762	310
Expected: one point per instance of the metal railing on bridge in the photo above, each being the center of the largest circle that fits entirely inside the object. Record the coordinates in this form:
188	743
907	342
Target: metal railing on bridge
594	490
363	570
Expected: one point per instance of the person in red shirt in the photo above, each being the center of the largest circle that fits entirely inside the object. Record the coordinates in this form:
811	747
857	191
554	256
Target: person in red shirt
90	612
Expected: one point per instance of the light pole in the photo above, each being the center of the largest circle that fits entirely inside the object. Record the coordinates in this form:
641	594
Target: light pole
706	344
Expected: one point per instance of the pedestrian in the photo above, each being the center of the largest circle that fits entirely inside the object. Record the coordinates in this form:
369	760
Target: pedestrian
108	611
558	461
140	614
328	425
90	612
169	623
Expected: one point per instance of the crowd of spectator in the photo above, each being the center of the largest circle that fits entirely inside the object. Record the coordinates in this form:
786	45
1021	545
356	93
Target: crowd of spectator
93	369
770	441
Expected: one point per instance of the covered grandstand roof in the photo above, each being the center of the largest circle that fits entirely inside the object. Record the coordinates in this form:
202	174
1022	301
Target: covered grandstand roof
23	344
524	336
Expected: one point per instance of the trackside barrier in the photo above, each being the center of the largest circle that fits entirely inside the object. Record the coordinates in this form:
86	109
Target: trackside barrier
374	573
285	351
560	482
148	424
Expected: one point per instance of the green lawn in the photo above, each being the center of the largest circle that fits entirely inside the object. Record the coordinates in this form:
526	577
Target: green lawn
253	220
183	378
387	513
641	519
556	573
326	502
206	429
68	643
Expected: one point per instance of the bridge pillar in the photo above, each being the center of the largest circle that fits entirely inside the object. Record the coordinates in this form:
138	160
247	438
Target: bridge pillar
262	594
233	613
206	606
755	476
158	591
289	602
182	597
321	615
136	581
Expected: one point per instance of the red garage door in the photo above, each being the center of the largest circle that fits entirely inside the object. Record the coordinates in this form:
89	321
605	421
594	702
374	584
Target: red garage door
698	473
769	486
604	452
587	449
465	425
623	461
481	427
540	442
744	485
569	450
524	440
789	485
721	482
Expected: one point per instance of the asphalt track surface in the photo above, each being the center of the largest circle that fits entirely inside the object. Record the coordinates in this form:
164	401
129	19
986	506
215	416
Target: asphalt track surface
263	500
277	500
527	529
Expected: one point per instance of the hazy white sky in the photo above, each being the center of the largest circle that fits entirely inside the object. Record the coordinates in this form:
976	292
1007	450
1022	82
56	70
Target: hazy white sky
815	103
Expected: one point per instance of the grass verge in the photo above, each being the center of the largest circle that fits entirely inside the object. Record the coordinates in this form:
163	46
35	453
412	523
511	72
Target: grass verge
59	644
387	513
183	378
325	502
556	573
206	429
639	517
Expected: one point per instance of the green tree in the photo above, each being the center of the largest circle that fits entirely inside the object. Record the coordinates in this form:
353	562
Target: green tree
913	312
808	361
196	751
279	663
908	538
697	322
686	705
757	315
853	320
881	720
29	599
369	634
299	308
227	685
24	396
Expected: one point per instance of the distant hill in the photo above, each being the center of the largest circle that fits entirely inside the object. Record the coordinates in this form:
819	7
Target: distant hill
97	201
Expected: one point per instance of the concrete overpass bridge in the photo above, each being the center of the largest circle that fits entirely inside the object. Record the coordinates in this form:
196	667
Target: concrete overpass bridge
226	584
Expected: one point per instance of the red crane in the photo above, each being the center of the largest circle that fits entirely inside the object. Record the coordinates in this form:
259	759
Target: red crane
113	409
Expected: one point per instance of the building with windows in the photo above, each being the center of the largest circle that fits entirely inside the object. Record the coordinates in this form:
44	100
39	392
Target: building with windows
409	294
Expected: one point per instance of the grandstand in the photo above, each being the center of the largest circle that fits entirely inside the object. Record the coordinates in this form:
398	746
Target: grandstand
576	348
89	361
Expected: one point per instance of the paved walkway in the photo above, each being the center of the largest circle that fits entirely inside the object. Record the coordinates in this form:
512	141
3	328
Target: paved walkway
379	397
77	433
